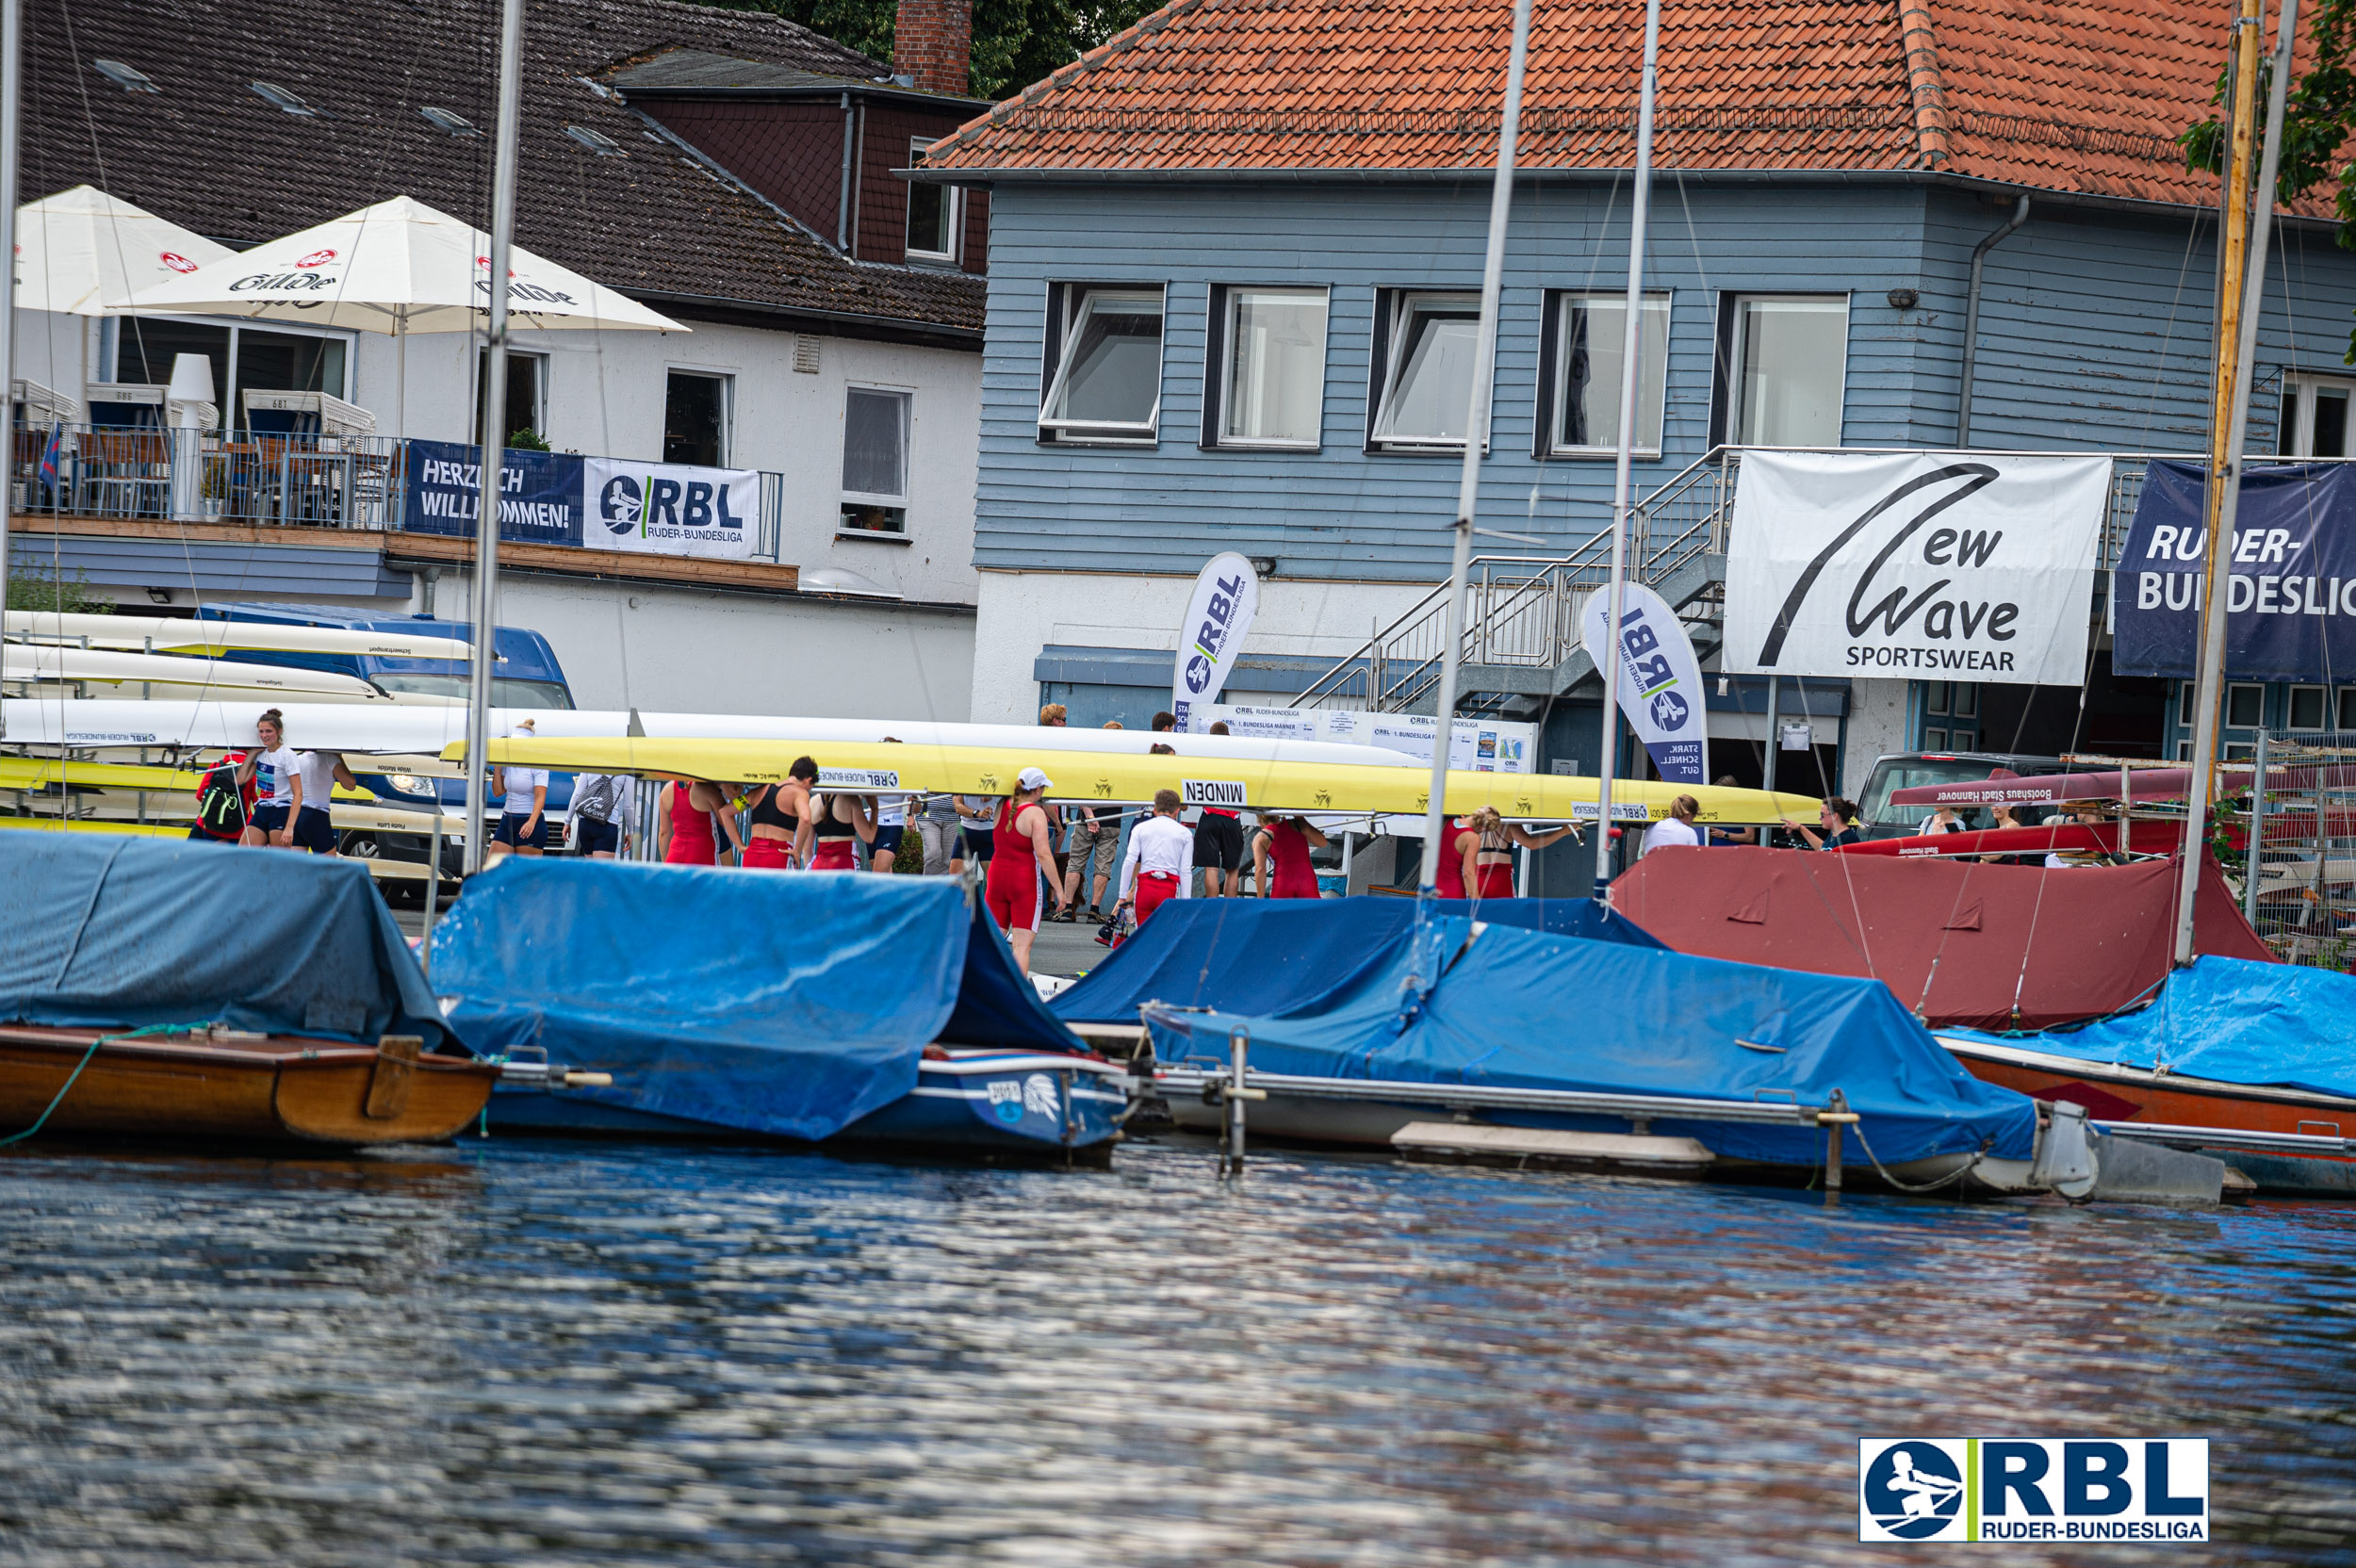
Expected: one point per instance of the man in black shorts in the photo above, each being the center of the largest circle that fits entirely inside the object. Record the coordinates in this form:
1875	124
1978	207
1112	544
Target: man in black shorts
1218	851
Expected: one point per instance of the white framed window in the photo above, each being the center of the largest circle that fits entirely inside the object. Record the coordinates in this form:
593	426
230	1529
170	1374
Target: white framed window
1785	359
936	215
2245	705
874	461
698	413
2348	709
1589	338
1426	344
1269	348
2314	418
527	393
270	356
1104	363
2307	708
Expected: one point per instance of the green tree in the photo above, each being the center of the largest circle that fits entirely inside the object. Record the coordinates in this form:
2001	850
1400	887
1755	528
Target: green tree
2319	113
31	587
1016	43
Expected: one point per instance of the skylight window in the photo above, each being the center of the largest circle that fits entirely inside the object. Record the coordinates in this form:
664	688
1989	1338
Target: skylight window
129	78
271	92
456	124
597	141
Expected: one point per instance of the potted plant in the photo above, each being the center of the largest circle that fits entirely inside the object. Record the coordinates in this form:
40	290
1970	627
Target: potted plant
213	486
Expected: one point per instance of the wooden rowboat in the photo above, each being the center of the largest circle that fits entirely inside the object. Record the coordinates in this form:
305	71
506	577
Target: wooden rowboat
230	1085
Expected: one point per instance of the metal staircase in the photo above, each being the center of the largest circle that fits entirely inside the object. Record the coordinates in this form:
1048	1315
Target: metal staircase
1521	636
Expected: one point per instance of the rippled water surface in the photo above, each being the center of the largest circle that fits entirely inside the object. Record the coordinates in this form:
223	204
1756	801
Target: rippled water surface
547	1353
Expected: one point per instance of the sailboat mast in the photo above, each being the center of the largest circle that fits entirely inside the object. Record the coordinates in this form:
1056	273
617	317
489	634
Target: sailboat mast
2248	226
1631	345
11	89
1476	433
490	476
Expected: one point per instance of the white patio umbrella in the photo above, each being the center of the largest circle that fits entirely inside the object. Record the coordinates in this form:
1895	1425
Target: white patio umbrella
83	253
399	268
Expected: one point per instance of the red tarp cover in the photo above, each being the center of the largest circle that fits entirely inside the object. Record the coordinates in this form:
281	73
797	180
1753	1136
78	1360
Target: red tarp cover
1988	947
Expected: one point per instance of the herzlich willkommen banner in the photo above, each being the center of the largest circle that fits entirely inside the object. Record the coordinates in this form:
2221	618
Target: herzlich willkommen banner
539	493
668	509
1914	566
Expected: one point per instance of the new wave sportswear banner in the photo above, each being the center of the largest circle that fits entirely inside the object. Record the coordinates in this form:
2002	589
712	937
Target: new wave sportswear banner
2290	611
1914	566
1661	681
1226	596
667	509
539	492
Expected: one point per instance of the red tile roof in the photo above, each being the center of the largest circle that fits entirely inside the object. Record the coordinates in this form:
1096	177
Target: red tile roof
2085	96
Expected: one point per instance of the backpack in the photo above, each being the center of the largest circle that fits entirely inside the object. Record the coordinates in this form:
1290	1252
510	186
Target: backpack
220	802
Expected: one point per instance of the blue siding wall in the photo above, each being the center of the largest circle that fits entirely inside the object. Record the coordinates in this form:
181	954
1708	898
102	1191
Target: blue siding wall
2094	329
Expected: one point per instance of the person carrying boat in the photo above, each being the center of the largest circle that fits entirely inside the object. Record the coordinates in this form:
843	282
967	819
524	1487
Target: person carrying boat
684	831
1478	855
1161	853
1020	852
973	829
523	815
1677	828
275	784
317	774
837	822
1280	856
602	802
1838	818
775	820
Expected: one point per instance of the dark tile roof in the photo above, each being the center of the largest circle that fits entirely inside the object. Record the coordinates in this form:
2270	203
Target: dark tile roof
209	152
2084	96
695	72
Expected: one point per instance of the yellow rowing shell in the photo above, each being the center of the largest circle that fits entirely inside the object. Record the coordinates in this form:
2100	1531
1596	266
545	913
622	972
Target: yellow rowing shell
1127	777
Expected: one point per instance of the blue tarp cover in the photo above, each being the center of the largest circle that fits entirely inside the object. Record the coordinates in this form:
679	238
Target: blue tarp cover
133	932
784	1003
1268	955
1531	1010
2230	1020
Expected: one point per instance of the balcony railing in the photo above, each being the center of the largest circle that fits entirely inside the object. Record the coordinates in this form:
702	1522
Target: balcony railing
295	482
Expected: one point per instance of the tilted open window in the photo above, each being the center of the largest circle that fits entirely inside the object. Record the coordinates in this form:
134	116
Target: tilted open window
1104	363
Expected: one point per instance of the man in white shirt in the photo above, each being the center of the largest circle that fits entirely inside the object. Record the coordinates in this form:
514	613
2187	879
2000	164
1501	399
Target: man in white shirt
1677	827
1160	860
523	817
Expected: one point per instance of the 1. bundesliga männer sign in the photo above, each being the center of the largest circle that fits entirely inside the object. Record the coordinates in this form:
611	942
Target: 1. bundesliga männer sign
1920	565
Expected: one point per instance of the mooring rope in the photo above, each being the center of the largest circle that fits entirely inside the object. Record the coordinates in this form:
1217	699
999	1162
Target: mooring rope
75	1075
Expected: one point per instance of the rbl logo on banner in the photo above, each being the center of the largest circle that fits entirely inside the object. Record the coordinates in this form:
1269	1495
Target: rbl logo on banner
1218	617
2032	1489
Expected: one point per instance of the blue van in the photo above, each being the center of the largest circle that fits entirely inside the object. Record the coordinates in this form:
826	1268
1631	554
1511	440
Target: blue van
528	677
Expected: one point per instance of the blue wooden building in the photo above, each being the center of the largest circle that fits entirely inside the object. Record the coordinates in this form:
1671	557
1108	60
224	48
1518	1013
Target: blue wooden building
1236	257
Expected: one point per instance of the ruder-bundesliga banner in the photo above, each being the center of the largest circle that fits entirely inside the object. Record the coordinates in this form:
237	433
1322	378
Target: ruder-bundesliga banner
1661	681
1226	596
667	509
539	492
1914	566
2290	608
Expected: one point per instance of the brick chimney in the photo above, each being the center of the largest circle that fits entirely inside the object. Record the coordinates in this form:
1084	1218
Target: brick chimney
933	42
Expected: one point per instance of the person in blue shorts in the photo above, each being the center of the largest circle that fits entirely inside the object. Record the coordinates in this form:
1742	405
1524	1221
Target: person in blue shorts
317	774
523	816
276	779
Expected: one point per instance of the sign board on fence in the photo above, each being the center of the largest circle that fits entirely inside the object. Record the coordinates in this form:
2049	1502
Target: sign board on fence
2290	608
1914	566
1478	745
539	493
668	509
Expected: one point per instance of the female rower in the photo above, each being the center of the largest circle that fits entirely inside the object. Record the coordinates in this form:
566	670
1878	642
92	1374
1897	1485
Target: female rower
684	831
837	820
775	818
1479	857
278	783
1282	846
1019	856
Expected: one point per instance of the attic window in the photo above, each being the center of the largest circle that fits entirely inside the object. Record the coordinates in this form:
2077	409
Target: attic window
271	92
456	124
597	141
129	78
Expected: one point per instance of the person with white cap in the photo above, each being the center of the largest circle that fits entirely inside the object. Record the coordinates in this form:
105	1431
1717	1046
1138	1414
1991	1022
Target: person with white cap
523	824
1018	857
